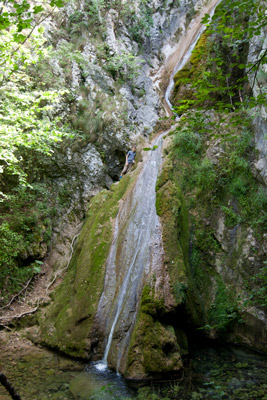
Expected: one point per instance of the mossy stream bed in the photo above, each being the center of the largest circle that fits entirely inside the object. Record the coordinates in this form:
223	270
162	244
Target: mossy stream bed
219	372
213	372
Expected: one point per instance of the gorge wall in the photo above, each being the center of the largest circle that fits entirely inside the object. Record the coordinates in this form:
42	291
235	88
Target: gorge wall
212	216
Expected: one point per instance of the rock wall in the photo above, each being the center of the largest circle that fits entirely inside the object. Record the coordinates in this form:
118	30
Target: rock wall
110	107
114	95
211	252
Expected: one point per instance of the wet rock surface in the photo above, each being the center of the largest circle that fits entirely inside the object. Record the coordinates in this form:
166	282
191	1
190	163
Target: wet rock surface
211	372
34	372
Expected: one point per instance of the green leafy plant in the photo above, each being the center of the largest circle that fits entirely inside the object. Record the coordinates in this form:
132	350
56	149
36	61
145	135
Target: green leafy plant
220	78
26	122
122	65
258	294
224	309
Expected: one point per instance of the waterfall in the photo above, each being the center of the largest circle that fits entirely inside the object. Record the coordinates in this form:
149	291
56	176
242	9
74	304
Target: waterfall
136	245
185	54
180	65
137	229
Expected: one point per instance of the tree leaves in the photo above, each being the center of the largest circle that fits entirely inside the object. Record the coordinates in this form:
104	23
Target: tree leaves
220	80
27	116
21	125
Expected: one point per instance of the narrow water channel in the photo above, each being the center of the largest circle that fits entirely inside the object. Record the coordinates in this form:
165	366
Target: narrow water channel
136	231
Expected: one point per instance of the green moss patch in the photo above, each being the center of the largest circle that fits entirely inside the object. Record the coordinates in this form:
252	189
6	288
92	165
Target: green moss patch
189	72
174	217
67	322
154	347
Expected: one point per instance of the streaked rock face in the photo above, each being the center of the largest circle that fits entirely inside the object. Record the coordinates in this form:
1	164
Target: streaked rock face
130	283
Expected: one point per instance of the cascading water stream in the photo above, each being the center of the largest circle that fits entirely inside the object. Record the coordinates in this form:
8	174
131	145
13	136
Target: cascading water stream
181	63
137	233
179	66
138	220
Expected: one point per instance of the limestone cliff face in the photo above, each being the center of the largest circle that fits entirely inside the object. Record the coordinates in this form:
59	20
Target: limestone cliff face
224	187
213	249
114	105
108	59
112	80
257	45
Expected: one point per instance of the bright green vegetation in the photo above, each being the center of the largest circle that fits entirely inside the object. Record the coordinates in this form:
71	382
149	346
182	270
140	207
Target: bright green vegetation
211	158
216	76
67	323
228	177
28	116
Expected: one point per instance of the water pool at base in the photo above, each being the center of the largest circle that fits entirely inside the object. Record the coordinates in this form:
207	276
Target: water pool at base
212	372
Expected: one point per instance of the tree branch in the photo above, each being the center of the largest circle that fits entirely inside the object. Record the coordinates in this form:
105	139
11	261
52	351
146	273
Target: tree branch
7	385
18	316
30	33
17	295
70	257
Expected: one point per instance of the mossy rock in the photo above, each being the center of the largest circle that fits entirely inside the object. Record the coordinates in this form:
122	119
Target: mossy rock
171	208
153	349
174	218
67	322
189	72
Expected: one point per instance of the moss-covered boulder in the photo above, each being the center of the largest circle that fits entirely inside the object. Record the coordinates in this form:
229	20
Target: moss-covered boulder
154	348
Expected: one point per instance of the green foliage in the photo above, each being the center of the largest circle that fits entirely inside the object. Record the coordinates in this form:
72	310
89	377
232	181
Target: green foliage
26	229
122	65
141	25
231	218
150	148
219	78
11	244
258	294
206	175
187	142
224	310
229	177
29	117
26	122
95	7
23	16
12	276
66	53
